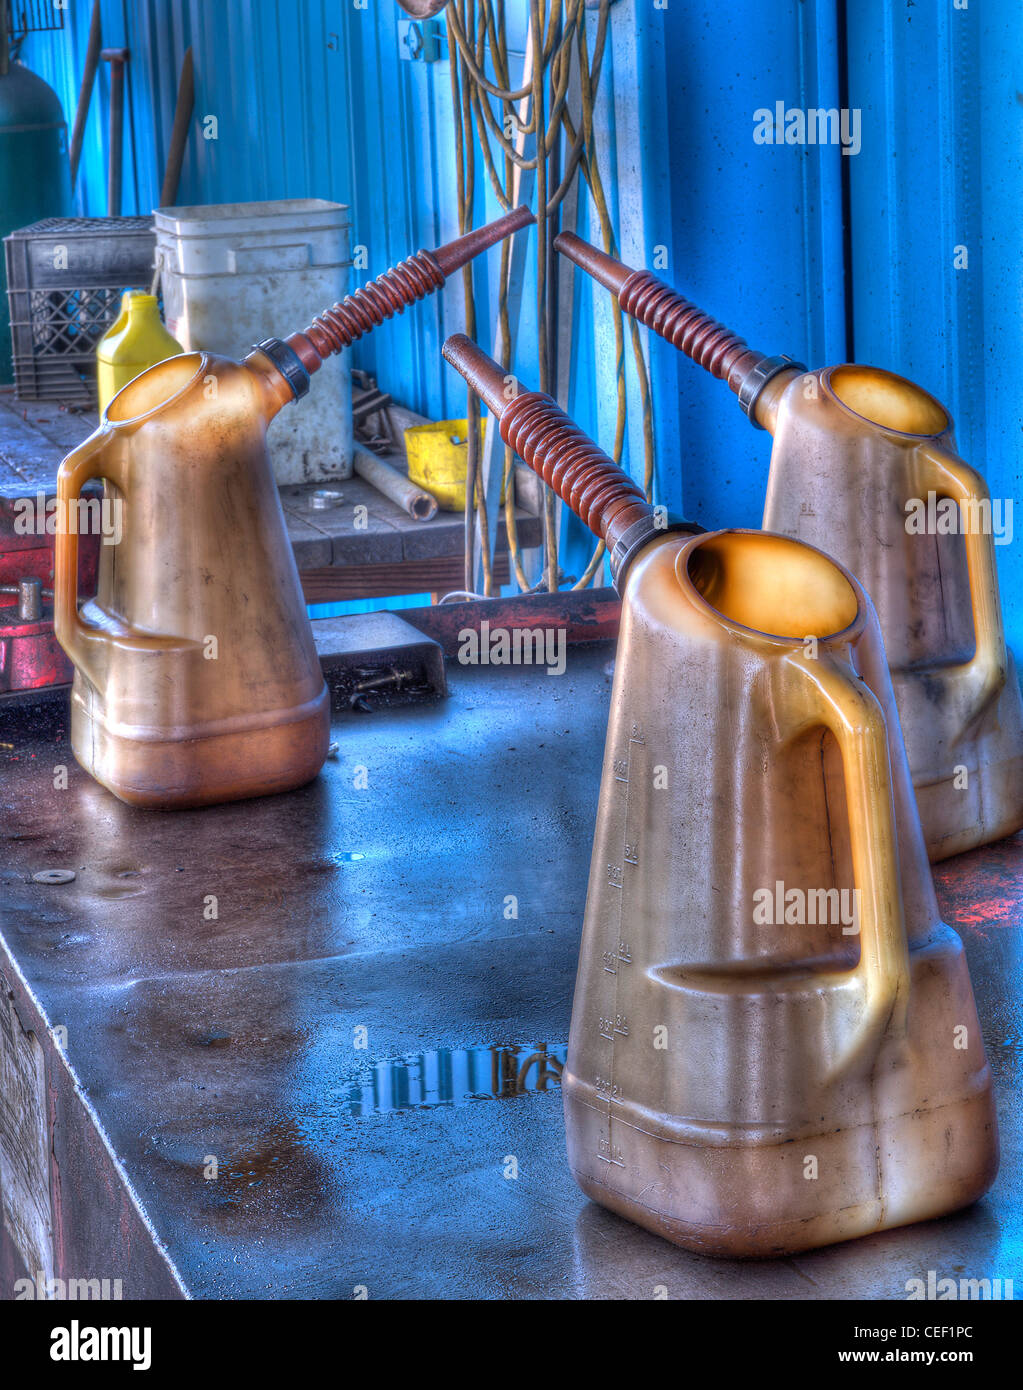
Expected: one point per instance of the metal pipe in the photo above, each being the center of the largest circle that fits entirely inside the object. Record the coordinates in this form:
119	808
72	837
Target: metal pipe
30	593
30	600
393	484
179	132
85	94
116	57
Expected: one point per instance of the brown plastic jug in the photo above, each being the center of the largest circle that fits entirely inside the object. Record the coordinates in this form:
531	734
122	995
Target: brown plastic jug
744	1077
196	675
862	461
864	465
774	1043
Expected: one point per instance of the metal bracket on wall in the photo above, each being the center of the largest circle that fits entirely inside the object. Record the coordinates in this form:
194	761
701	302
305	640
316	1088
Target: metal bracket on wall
421	40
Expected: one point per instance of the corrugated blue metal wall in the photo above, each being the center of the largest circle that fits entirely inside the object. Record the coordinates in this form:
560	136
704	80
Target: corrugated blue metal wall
312	98
757	228
941	172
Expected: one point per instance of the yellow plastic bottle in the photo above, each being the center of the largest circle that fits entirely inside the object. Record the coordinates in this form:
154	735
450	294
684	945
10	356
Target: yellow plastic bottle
120	323
105	344
135	341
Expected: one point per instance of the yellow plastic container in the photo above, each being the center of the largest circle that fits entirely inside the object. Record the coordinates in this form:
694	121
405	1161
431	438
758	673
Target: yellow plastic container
121	322
437	455
135	341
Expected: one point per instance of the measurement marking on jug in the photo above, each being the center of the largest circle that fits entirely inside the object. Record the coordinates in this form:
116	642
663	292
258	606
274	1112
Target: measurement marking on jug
613	1024
607	1090
610	1026
610	1153
612	959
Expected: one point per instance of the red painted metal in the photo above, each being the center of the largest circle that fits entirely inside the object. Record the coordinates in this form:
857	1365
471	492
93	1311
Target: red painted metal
982	891
586	615
30	657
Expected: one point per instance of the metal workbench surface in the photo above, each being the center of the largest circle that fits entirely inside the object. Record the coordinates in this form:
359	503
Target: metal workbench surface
379	898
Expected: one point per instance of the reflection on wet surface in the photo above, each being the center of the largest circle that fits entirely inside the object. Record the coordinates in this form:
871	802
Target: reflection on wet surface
455	1076
236	1038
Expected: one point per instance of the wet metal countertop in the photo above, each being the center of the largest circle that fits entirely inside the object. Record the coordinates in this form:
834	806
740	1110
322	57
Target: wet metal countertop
334	1037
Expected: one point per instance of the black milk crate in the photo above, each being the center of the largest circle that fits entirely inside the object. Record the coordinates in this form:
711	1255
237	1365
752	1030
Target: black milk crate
65	278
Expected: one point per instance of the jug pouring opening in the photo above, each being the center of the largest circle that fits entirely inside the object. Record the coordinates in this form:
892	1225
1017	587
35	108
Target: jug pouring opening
770	585
889	401
156	388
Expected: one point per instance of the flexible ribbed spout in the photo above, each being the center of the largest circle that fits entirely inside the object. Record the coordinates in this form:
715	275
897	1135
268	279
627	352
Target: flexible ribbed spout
533	424
301	354
668	314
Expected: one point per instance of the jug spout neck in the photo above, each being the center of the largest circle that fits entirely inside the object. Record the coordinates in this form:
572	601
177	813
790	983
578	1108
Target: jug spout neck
279	374
140	305
766	390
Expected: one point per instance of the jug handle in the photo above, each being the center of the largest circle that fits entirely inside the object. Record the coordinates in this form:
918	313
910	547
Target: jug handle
80	639
989	664
849	709
76	637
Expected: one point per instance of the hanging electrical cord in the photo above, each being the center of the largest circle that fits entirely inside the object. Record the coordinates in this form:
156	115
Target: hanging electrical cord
558	42
465	165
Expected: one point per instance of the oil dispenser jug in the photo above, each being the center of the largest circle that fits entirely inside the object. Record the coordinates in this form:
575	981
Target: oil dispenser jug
196	676
774	1044
864	465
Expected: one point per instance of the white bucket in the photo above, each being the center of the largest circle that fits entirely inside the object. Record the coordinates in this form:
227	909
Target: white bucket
235	273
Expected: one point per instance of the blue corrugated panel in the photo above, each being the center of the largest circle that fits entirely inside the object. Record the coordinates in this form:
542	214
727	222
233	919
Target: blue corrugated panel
315	100
312	99
942	169
753	232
